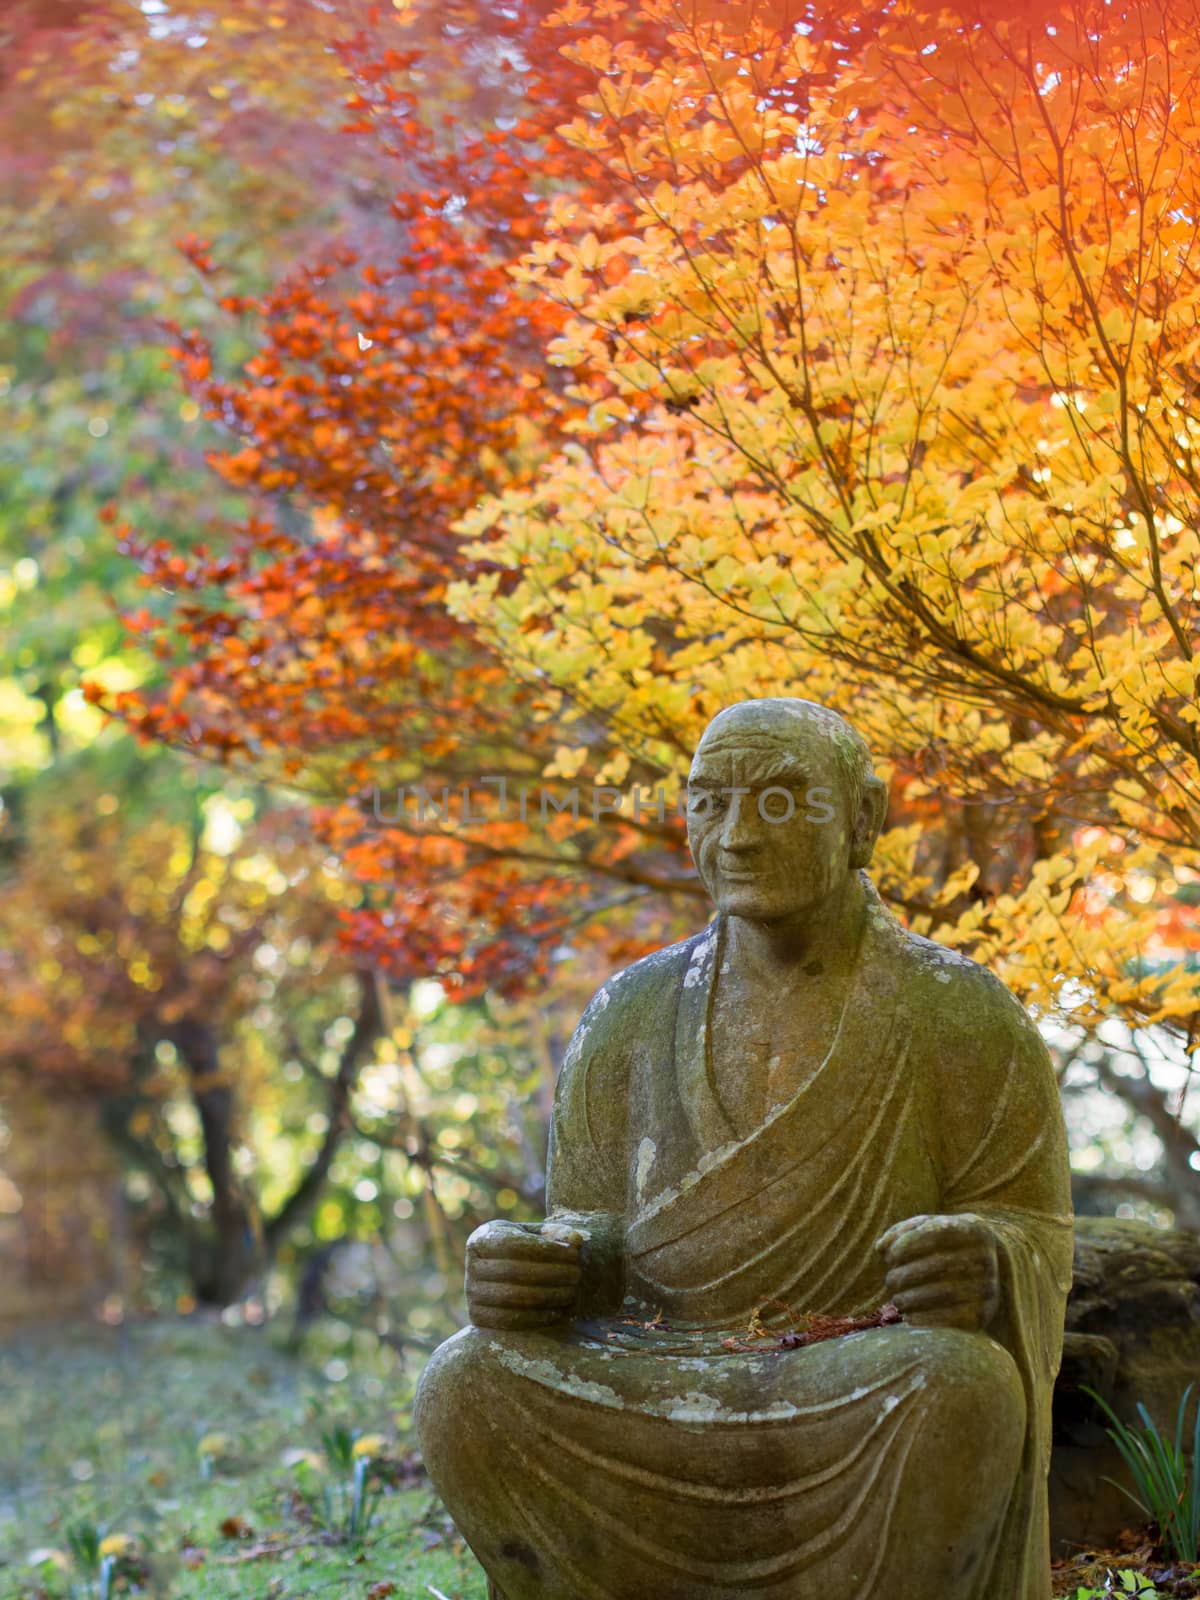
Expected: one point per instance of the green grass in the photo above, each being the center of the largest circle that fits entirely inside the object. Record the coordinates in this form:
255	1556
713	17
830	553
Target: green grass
100	1429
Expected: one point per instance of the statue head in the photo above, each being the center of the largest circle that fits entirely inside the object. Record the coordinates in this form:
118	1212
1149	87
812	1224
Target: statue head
782	806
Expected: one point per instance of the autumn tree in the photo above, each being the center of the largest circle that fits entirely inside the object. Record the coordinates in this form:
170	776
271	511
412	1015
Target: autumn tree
870	344
164	972
170	121
393	387
127	129
890	402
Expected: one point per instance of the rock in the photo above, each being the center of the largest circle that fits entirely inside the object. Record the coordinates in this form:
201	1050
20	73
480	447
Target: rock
1133	1334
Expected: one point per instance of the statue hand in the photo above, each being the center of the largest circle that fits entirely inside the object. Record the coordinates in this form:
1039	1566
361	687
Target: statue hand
522	1276
942	1271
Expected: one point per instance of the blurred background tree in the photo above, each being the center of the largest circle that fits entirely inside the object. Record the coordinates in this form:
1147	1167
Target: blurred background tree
127	129
169	979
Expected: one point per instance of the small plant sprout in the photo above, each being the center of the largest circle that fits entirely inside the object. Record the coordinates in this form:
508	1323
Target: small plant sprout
350	1505
1127	1584
211	1449
95	1558
83	1541
1166	1477
338	1444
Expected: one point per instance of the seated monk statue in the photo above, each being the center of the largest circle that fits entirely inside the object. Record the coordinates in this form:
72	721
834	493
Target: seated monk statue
802	1109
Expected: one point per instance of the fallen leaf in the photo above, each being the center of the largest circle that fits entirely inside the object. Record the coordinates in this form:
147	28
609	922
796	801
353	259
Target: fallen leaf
815	1327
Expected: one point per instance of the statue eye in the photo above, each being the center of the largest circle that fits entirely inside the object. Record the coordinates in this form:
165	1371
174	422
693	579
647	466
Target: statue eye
705	803
777	802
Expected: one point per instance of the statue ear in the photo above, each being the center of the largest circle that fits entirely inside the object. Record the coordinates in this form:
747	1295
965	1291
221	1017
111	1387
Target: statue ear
871	812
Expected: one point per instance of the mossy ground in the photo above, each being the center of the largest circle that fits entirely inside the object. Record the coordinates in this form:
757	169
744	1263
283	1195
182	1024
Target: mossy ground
102	1428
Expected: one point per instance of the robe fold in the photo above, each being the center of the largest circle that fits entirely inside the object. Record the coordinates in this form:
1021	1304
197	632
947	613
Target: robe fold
630	1455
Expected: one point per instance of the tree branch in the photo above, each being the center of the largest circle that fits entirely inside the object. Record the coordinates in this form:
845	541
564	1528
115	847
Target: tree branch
1179	1145
367	1027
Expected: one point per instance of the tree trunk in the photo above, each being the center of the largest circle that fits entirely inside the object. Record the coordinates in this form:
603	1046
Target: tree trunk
224	1256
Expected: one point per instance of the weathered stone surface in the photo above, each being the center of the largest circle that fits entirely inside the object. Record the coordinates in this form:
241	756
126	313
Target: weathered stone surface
803	1108
1133	1334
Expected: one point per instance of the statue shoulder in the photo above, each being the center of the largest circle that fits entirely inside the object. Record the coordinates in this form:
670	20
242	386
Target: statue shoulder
633	1011
993	1117
944	990
631	1003
963	1001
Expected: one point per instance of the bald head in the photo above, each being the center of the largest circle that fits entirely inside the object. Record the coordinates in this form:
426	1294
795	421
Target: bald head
784	727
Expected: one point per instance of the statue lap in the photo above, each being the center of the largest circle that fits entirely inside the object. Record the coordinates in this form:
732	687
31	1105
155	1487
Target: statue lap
708	1476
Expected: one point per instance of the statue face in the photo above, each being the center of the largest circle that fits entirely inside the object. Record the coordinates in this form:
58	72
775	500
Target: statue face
779	848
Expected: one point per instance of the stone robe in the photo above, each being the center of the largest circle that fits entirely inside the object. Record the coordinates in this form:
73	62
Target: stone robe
629	1455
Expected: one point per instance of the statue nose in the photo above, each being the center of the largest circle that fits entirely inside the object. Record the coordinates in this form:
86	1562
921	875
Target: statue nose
736	837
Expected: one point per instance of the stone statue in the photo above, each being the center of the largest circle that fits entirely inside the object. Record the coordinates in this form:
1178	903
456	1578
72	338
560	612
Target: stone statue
801	1109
